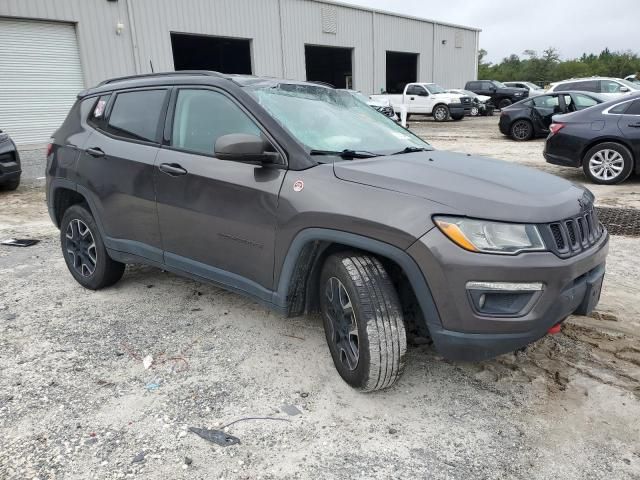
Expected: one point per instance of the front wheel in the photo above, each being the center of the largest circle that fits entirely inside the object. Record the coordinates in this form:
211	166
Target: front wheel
475	111
521	130
608	163
441	113
363	321
11	184
84	250
504	103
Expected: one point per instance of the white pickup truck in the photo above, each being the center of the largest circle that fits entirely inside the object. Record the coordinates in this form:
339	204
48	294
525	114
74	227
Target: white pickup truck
428	99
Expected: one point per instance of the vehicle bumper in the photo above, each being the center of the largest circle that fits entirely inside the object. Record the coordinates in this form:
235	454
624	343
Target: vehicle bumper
504	124
560	160
461	333
9	162
456	109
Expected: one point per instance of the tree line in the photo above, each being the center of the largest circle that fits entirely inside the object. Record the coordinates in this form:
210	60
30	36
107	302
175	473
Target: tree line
548	67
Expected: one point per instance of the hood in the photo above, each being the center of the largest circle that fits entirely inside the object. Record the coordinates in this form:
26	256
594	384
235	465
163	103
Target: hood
447	96
379	102
470	185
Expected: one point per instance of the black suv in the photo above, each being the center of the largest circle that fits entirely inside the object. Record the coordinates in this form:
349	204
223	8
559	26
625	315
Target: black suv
501	95
9	163
306	199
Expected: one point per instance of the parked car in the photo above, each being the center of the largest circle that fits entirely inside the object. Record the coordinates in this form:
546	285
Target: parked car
305	199
532	117
603	140
633	79
610	87
9	163
531	87
501	95
480	104
380	105
428	99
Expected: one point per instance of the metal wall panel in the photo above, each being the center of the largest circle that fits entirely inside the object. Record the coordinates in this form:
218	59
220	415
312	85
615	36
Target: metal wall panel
454	66
399	34
35	94
103	53
258	21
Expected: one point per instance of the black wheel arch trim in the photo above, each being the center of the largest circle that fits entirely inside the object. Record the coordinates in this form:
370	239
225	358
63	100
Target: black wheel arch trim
287	283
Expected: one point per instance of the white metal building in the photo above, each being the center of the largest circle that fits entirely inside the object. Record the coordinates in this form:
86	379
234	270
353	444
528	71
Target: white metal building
51	49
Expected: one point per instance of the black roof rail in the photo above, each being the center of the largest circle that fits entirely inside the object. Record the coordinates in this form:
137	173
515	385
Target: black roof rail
162	74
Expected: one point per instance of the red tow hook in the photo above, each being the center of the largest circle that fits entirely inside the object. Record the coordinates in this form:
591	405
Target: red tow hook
554	330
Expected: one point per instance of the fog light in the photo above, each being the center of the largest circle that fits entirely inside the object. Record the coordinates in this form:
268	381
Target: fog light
503	299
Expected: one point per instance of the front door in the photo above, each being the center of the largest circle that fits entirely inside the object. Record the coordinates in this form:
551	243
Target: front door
544	108
217	217
417	99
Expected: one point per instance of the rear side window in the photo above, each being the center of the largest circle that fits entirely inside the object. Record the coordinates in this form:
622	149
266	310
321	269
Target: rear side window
620	108
634	108
473	85
545	101
98	112
203	116
136	115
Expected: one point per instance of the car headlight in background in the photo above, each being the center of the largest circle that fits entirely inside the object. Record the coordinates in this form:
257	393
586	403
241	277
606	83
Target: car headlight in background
518	94
490	237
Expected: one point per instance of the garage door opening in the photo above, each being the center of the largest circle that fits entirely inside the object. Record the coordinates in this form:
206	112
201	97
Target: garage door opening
203	52
330	65
402	68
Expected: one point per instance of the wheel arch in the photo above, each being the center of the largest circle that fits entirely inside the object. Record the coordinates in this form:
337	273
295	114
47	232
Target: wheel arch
618	140
297	286
63	196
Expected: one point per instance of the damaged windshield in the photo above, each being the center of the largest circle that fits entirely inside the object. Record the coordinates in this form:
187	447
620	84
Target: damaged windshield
330	120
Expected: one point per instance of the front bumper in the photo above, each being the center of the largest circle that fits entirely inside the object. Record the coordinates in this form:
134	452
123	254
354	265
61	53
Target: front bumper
456	109
461	333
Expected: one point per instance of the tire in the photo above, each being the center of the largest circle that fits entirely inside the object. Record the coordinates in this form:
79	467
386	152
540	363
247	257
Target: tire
11	185
504	103
521	130
616	161
475	111
441	113
457	117
84	251
369	347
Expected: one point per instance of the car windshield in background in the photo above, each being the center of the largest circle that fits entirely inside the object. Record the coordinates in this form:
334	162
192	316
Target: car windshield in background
532	86
499	84
433	88
631	85
330	120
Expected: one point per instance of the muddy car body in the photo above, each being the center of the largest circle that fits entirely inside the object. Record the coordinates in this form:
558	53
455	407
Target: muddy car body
350	214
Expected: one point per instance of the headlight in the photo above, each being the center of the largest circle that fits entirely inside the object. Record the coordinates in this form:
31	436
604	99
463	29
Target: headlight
518	94
490	237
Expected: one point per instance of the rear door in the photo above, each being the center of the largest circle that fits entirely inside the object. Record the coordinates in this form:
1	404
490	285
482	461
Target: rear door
116	168
217	217
544	108
417	99
629	124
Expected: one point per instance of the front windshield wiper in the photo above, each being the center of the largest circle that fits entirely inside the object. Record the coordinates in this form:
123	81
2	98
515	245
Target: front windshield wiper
412	150
346	153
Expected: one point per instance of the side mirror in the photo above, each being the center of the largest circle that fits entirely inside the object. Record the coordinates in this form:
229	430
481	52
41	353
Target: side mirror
624	89
242	147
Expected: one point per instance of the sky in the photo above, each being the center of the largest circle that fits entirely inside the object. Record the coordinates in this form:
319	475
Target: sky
571	26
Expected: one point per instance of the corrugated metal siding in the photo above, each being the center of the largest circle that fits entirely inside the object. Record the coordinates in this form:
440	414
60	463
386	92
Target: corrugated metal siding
258	21
40	76
103	53
302	25
398	34
453	66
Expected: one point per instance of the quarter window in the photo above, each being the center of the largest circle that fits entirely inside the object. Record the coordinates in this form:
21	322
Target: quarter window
634	109
620	108
136	115
203	116
96	117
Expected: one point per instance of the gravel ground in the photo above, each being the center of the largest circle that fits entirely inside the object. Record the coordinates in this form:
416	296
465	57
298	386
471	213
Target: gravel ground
77	402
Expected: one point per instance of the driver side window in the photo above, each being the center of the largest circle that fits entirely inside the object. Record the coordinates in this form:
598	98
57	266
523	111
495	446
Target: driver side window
416	90
202	116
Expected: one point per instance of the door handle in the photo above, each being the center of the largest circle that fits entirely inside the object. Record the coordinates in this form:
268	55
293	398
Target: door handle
635	125
172	169
95	152
412	98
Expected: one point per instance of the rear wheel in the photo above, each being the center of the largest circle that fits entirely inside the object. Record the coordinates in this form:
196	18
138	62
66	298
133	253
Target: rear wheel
521	130
608	163
84	250
441	113
504	103
363	321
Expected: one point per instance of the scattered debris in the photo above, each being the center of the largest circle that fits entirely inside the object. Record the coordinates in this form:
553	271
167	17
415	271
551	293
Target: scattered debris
147	362
392	431
19	242
304	394
152	386
188	461
290	410
138	458
215	436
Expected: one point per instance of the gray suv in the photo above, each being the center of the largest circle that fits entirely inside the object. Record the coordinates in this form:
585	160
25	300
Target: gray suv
306	199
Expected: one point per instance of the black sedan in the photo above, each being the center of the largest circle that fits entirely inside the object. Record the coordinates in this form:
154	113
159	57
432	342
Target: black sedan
531	118
9	163
604	140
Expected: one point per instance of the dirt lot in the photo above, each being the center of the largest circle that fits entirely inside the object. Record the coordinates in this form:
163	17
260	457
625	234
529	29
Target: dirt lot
77	402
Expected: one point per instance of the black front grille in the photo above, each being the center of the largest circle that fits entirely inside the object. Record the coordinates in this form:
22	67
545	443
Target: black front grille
388	111
7	157
574	235
465	100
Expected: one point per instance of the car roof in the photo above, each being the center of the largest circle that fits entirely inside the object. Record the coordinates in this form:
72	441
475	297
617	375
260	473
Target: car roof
190	76
581	79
